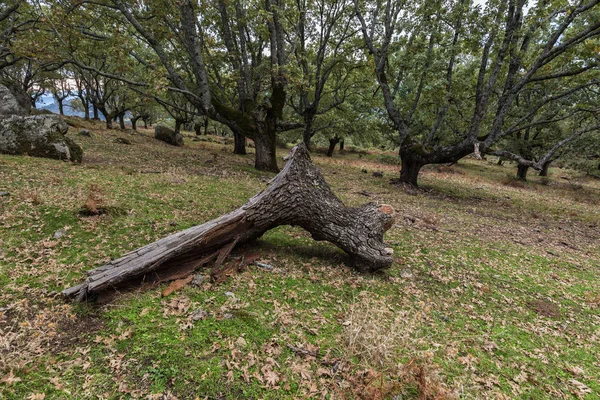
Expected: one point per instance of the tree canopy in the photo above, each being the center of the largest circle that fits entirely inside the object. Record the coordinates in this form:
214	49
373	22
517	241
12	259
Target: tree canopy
437	80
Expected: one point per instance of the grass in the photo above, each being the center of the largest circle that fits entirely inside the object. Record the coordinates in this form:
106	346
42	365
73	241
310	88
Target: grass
494	292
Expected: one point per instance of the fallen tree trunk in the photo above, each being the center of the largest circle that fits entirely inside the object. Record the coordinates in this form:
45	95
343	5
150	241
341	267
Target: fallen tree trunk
298	196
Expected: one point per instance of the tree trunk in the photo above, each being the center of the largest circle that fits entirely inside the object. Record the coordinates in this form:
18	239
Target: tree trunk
307	133
298	196
145	123
544	170
122	121
96	116
239	144
409	173
86	111
266	154
108	118
306	139
206	131
60	107
134	121
178	124
522	172
332	143
341	145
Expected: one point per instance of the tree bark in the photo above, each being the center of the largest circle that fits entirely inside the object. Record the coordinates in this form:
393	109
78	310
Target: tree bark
522	172
60	107
544	170
134	121
342	145
266	154
178	124
96	116
409	173
239	144
298	196
306	139
307	133
122	121
332	143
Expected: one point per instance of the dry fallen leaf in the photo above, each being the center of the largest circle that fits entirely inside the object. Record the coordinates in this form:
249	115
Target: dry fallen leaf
582	387
271	378
575	370
490	346
240	342
9	379
176	285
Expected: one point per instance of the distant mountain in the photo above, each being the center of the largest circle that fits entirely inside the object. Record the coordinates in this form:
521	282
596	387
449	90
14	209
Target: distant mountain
47	102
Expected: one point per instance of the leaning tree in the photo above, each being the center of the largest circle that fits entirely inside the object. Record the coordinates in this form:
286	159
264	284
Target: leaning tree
199	49
450	71
548	132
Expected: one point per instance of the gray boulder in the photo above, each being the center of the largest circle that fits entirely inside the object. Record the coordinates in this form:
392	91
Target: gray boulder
121	140
9	105
38	136
168	135
40	111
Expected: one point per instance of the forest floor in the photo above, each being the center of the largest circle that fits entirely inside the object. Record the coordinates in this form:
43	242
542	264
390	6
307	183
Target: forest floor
495	292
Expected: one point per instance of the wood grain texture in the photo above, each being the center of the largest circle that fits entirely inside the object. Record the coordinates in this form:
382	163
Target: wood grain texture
297	196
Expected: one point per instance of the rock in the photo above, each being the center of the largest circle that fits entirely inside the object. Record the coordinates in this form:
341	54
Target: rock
264	266
59	233
38	136
85	132
406	274
168	135
378	174
122	140
199	314
42	111
227	316
198	280
4	194
9	104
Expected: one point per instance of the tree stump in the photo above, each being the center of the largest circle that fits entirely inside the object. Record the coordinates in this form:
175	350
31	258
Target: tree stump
297	196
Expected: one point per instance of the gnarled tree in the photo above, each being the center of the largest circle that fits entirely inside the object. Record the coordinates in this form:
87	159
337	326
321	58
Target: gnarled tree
485	57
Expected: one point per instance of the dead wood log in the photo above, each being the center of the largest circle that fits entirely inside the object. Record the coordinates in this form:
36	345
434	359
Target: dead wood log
298	196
